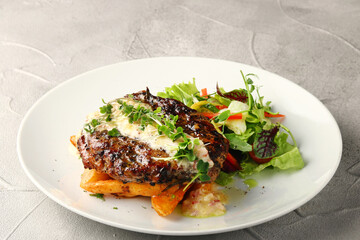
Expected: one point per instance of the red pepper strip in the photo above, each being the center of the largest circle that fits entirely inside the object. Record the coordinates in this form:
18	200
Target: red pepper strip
209	114
230	159
204	92
221	107
258	160
236	116
212	115
266	114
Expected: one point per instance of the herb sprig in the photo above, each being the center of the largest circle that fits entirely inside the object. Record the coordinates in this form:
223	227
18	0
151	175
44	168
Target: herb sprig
202	168
106	110
166	125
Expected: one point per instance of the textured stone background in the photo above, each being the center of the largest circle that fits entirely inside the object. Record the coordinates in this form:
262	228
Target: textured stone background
313	43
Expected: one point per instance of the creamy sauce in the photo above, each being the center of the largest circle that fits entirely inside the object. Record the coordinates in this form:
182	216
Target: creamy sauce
149	135
205	201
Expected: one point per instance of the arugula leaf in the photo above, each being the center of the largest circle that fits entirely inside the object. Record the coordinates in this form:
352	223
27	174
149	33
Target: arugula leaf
237	142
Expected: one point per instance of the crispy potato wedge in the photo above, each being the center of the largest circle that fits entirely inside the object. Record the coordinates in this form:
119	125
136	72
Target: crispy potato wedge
166	202
98	182
91	176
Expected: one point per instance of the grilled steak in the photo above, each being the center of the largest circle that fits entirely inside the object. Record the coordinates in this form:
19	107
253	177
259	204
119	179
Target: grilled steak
132	160
194	124
127	159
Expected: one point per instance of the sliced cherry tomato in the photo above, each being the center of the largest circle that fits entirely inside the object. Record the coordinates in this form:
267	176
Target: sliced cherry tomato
266	114
258	160
221	107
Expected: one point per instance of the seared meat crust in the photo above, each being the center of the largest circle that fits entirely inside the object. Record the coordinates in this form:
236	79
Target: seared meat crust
194	124
130	160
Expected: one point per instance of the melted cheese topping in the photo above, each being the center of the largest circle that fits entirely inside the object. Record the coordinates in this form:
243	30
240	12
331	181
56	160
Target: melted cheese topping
149	135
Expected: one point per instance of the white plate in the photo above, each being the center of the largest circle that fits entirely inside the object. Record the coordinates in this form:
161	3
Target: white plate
43	144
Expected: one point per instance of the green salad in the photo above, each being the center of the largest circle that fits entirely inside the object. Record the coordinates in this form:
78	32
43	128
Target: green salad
257	138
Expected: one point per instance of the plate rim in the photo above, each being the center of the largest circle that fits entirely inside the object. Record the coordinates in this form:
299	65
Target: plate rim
162	231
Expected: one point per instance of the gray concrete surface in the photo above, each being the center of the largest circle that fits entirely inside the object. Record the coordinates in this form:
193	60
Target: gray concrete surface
313	43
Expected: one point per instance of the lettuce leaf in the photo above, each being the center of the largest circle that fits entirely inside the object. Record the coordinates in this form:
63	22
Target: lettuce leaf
183	92
287	157
225	178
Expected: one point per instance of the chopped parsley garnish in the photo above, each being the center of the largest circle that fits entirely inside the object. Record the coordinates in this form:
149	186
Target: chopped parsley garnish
115	208
98	195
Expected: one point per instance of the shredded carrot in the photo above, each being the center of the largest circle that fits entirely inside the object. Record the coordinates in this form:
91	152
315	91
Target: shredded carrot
266	114
236	116
204	92
212	115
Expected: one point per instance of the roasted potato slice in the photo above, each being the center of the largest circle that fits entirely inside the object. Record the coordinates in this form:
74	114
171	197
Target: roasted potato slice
98	182
166	202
